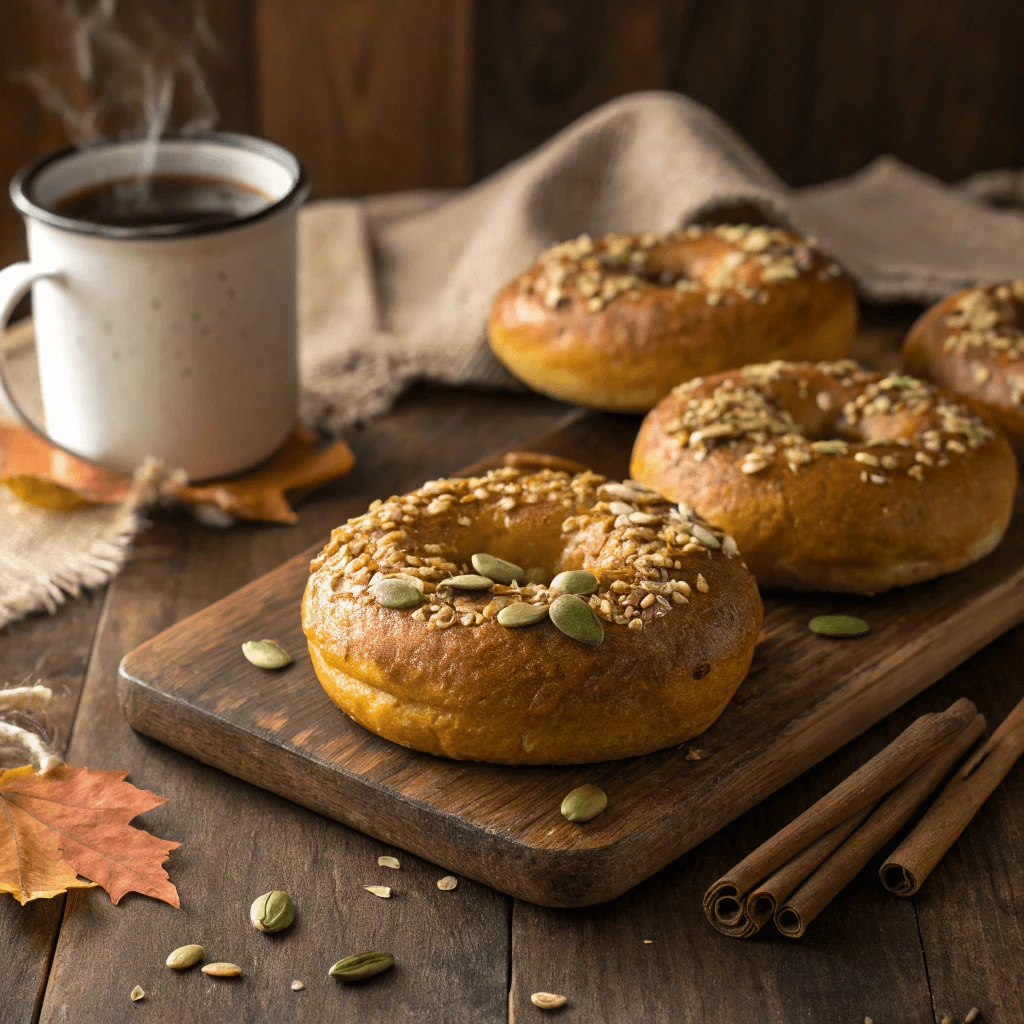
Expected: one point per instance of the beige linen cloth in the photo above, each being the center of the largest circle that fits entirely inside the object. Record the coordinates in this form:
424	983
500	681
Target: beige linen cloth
397	288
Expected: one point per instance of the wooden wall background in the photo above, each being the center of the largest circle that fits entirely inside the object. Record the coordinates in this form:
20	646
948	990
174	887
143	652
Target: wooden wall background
376	95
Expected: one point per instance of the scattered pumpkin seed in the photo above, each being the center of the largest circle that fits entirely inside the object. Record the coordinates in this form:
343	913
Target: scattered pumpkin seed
389	862
297	986
584	803
576	619
184	957
221	970
272	912
548	1000
469	581
265	654
522	614
498	569
137	994
838	625
394	593
574	581
447	883
379	890
361	965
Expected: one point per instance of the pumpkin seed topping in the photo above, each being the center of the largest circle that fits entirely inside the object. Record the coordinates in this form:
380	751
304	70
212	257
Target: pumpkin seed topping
498	569
361	965
575	581
470	581
395	593
184	957
838	625
584	803
522	614
576	619
265	654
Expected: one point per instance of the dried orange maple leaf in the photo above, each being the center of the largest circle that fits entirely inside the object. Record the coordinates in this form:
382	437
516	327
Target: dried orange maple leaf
73	821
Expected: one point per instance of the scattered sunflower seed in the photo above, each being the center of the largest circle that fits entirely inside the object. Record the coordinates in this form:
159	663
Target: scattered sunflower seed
574	581
221	970
696	754
137	994
972	1015
838	625
184	957
297	986
547	1000
584	803
576	619
379	890
522	614
468	581
447	883
272	912
394	593
265	654
498	569
389	862
361	965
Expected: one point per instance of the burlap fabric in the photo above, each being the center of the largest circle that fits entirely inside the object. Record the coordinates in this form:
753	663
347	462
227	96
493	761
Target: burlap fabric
397	288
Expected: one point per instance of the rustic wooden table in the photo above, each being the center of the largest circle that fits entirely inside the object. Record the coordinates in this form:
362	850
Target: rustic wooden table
473	955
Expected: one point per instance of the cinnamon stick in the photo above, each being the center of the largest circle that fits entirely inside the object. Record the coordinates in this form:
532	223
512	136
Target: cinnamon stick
913	860
725	903
793	916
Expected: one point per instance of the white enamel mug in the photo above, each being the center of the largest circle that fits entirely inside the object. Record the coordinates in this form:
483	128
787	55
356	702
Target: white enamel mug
172	341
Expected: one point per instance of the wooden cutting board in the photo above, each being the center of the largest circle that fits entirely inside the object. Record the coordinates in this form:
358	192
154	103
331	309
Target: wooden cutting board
805	696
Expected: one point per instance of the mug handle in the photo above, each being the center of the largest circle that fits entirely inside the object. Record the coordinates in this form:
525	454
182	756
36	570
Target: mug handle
15	282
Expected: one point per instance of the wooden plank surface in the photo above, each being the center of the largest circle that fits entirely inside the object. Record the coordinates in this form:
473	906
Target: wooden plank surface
805	696
238	841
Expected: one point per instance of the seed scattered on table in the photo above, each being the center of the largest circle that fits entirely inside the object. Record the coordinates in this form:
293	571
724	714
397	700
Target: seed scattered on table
297	986
447	883
379	890
389	862
837	625
548	1000
137	994
265	654
584	803
648	942
696	754
972	1015
361	965
272	912
222	970
184	957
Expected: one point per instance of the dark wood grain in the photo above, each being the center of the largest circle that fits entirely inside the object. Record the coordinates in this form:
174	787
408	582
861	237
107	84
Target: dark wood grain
452	948
370	96
817	89
805	696
52	650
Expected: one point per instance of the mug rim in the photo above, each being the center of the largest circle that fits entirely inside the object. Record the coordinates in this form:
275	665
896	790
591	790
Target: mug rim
21	183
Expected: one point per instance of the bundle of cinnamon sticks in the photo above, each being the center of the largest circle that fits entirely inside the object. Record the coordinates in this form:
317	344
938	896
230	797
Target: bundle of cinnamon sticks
794	875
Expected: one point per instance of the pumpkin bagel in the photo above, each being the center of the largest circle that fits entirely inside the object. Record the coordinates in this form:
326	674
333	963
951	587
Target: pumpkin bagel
616	322
612	623
833	477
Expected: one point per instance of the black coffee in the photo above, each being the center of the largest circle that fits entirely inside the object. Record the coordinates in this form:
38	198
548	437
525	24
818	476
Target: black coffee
163	200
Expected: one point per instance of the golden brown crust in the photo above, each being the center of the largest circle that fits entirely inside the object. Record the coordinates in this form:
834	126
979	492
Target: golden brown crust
617	322
681	618
972	344
831	477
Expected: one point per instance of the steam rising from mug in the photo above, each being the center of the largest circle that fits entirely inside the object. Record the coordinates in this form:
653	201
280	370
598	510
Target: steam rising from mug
123	72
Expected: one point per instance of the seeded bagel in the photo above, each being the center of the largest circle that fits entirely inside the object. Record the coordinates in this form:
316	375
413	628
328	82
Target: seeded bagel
615	323
832	477
972	344
636	620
